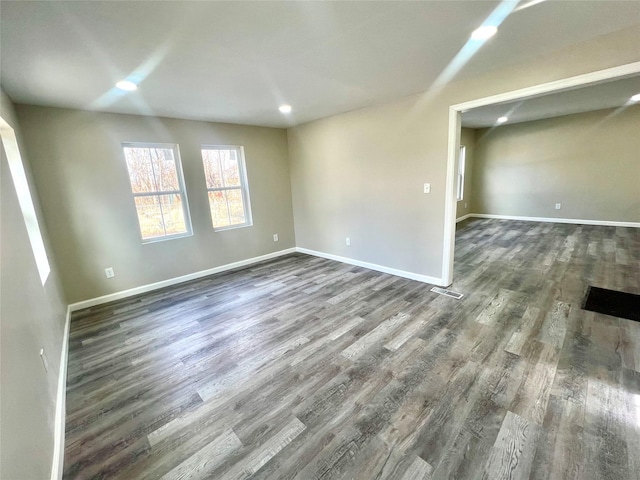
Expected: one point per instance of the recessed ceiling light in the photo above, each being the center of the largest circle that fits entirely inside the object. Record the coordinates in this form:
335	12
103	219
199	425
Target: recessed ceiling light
636	98
126	85
502	119
484	32
285	108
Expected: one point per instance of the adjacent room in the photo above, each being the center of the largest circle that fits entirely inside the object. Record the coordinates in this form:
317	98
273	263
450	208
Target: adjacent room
320	240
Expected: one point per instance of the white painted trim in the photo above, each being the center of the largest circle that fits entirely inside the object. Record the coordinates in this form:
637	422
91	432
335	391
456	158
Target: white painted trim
455	112
555	86
373	266
173	281
450	202
61	401
578	221
464	217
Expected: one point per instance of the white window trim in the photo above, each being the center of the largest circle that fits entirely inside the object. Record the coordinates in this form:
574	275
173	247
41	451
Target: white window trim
244	185
183	190
25	200
461	171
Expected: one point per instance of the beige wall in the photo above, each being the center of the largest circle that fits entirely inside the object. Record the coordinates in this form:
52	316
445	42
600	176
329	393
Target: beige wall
83	182
361	173
31	317
588	162
468	139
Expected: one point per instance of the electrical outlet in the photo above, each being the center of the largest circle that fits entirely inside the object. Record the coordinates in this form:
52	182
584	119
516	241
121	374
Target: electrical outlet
427	188
109	272
348	241
558	206
275	237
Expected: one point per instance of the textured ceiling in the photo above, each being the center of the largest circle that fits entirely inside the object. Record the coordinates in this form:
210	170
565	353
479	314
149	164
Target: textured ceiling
611	94
237	61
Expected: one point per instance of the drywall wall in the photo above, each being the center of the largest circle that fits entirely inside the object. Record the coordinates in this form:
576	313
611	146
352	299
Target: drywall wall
82	179
32	318
588	162
361	174
468	139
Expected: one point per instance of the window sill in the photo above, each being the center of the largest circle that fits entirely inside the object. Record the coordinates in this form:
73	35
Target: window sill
166	237
232	227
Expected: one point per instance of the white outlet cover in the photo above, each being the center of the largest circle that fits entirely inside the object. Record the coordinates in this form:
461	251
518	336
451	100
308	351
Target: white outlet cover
275	237
558	206
109	272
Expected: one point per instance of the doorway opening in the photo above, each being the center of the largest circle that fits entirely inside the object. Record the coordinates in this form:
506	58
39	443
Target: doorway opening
454	133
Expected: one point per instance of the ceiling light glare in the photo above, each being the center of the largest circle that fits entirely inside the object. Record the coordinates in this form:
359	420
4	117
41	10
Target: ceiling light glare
502	119
285	108
126	85
484	32
636	98
529	4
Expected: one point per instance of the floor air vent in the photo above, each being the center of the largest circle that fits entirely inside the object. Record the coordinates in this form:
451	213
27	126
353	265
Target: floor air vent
448	293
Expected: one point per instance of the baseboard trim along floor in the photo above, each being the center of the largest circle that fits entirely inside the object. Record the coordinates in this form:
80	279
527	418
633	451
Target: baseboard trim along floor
92	302
573	221
373	266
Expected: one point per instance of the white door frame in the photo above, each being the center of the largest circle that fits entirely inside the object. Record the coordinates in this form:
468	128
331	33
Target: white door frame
455	116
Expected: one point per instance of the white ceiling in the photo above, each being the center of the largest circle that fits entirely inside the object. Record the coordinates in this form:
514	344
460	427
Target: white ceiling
611	94
237	61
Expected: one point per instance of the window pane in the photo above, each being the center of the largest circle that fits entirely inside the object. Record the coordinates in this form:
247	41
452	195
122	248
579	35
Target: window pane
224	171
236	207
164	168
173	214
219	209
149	217
230	169
227	208
159	192
140	170
213	175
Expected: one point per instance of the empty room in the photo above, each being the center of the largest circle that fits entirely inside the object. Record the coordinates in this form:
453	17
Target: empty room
320	240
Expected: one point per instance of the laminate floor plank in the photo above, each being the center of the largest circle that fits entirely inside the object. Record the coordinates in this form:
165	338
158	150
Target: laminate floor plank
512	454
304	368
207	459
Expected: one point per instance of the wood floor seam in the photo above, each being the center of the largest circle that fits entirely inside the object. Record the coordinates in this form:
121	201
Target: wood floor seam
304	368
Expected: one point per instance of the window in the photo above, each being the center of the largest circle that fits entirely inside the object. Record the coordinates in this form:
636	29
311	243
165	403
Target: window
224	170
19	177
461	173
158	190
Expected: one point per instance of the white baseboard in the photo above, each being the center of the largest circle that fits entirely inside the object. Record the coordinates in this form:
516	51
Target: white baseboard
606	223
464	217
61	401
374	266
92	302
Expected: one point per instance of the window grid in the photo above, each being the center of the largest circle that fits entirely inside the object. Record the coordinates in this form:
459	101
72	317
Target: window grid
213	157
155	221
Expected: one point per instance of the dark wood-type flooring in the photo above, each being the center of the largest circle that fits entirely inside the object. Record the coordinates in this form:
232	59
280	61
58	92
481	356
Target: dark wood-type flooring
306	368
